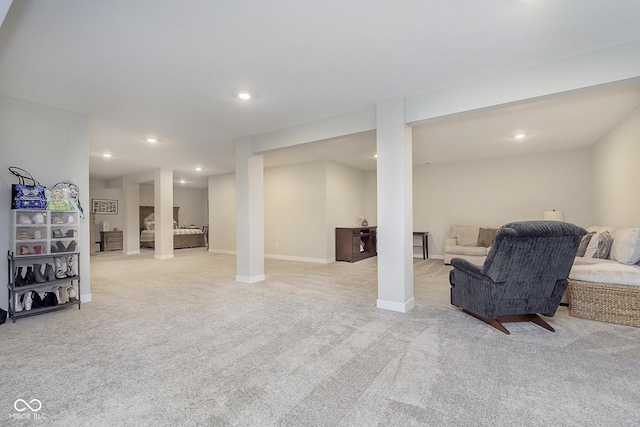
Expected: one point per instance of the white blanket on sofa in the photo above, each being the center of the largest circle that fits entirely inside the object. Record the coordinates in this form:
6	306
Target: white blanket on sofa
605	271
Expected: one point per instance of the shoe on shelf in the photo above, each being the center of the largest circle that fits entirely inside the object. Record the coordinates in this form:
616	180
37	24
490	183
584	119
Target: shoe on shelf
49	274
63	295
24	219
70	272
19	280
60	247
60	271
70	233
27	300
37	269
50	299
73	294
57	220
37	299
57	233
17	305
24	250
30	276
72	246
24	235
56	291
38	218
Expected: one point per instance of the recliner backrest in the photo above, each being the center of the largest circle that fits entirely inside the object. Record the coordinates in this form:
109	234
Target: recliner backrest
527	252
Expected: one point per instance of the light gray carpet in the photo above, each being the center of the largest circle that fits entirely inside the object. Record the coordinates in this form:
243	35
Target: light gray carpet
178	342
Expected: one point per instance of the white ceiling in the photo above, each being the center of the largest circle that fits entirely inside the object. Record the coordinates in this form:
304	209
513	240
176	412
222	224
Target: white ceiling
173	69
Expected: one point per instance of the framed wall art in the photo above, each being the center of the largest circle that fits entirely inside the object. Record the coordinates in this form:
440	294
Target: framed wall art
104	206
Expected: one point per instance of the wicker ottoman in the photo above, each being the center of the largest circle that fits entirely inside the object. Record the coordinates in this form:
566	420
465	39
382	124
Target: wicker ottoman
605	302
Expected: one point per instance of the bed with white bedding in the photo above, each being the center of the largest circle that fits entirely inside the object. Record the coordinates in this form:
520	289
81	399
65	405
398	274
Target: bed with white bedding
182	237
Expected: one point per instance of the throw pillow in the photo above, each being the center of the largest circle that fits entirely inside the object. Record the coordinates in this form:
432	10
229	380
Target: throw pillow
626	246
466	235
604	245
593	245
485	237
584	244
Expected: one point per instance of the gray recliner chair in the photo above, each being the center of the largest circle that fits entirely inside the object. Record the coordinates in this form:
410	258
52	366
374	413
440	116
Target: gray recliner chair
525	273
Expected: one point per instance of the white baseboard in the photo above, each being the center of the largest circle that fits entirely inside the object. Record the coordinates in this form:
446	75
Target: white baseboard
85	298
396	306
429	257
133	252
252	279
163	256
302	259
221	251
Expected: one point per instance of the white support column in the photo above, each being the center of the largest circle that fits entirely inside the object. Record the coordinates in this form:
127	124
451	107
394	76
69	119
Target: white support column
131	237
249	213
395	207
163	207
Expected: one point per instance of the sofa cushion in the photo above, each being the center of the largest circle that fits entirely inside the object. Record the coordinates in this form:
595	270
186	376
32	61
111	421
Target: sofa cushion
467	235
607	271
485	236
466	250
626	246
584	243
599	246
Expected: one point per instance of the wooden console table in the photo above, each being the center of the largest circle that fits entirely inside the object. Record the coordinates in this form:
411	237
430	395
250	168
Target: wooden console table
110	241
425	242
354	244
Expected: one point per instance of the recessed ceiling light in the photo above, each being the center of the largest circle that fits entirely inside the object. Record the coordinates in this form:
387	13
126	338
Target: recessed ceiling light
519	136
151	140
375	156
198	168
107	155
182	181
244	96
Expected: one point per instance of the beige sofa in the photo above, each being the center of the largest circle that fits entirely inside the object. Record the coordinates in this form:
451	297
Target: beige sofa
470	242
607	287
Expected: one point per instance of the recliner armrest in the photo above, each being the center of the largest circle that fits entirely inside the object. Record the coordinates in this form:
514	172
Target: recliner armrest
467	267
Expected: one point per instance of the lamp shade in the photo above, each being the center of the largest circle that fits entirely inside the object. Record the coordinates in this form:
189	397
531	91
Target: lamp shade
554	215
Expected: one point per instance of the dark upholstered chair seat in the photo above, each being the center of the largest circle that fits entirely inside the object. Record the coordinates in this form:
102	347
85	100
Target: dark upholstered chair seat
525	273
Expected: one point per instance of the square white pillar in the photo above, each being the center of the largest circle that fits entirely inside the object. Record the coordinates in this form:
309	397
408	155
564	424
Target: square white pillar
163	209
131	237
395	207
249	213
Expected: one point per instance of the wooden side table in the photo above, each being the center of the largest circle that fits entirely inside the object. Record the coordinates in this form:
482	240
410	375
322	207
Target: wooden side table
425	242
110	241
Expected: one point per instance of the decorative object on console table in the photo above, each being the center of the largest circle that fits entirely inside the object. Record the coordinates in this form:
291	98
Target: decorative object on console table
110	240
354	244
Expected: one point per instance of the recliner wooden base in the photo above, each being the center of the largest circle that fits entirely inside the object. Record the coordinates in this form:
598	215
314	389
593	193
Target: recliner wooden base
498	322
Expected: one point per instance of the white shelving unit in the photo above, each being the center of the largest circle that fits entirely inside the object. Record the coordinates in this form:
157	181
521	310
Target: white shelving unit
40	238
